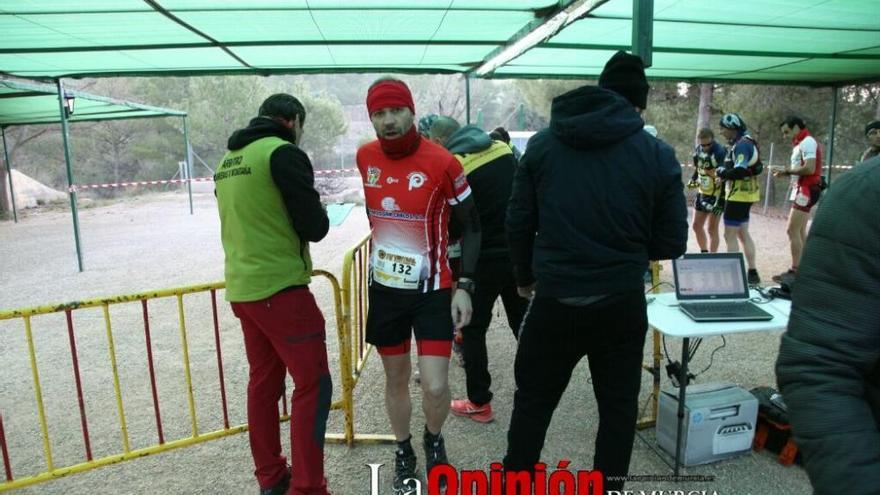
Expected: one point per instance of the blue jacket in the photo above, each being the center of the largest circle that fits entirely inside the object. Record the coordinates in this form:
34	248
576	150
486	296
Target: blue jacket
594	199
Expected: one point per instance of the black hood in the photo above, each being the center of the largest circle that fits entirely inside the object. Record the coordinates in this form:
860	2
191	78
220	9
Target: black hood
258	128
592	117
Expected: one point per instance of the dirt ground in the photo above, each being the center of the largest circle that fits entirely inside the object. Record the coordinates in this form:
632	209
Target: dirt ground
152	242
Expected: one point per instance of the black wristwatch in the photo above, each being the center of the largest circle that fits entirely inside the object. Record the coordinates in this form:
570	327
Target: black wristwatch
468	286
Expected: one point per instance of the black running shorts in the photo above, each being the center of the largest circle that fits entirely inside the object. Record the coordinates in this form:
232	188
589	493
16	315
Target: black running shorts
394	315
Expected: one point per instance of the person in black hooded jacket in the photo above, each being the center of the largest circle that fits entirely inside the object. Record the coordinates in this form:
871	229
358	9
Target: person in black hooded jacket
828	368
594	199
489	166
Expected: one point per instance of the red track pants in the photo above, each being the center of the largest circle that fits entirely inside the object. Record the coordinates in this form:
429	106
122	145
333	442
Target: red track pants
285	333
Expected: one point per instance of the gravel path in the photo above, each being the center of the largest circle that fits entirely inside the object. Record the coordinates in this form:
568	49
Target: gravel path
151	242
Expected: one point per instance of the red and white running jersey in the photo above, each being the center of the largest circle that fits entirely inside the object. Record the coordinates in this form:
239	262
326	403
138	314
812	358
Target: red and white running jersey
805	148
408	204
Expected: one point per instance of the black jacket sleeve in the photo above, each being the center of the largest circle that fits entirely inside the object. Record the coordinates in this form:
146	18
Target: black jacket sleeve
522	223
734	173
828	367
669	229
292	173
468	219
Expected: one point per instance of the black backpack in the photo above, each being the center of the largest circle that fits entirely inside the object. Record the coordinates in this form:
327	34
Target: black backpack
758	166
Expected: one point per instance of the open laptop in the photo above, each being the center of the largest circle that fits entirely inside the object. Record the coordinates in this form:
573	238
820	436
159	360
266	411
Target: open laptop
713	287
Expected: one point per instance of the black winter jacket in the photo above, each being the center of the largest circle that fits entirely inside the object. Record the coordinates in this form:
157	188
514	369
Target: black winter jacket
829	359
490	176
594	199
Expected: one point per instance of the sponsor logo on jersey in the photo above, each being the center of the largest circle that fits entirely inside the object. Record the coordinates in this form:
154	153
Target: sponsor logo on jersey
373	174
416	180
389	204
395	215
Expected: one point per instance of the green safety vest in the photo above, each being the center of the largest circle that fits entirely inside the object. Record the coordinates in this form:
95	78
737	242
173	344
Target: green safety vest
264	254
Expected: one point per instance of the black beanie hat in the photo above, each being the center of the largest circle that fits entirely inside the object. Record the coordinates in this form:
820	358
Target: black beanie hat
625	74
872	125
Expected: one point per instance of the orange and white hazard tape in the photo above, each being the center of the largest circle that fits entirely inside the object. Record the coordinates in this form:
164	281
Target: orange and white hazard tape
182	181
336	171
139	183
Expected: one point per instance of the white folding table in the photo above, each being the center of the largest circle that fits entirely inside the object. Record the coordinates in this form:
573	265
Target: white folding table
665	317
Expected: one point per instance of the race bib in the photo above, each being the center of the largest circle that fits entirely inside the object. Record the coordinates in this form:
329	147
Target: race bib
800	198
795	191
705	181
395	268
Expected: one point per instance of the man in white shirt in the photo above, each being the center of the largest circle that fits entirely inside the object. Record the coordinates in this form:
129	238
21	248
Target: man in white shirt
806	173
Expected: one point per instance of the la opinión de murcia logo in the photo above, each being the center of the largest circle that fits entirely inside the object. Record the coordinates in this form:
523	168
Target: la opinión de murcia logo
560	481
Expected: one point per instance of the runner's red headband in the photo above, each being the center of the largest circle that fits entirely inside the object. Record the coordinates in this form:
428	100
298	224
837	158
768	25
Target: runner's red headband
389	94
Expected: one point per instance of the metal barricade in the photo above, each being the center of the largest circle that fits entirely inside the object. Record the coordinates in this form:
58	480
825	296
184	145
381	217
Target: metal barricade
355	351
53	470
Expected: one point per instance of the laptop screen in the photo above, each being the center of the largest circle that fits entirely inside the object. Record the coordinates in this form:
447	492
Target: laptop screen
710	276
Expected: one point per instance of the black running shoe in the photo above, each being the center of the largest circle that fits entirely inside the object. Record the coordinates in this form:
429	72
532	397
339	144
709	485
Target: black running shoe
754	278
404	471
280	488
786	276
435	454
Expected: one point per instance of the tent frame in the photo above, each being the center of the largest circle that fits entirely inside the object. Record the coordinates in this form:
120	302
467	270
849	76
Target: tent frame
64	119
539	32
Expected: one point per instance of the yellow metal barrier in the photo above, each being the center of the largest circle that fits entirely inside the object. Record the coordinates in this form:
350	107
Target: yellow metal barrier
654	368
52	471
353	348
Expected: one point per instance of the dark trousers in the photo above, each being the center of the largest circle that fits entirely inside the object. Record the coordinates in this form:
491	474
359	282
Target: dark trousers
611	333
493	278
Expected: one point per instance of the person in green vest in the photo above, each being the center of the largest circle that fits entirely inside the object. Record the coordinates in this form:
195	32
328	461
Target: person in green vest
269	213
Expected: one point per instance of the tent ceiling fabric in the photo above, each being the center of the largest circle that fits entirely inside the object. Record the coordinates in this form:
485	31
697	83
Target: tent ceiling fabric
58	38
784	41
774	41
25	104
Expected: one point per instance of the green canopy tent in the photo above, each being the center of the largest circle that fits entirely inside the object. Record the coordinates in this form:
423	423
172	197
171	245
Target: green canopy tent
823	42
807	42
35	104
810	42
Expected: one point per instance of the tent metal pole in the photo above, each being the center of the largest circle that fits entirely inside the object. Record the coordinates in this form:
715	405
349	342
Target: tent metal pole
643	30
769	183
467	99
9	174
70	189
188	165
831	134
521	117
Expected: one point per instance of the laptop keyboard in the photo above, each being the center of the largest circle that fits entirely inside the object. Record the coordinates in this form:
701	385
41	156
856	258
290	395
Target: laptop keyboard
723	309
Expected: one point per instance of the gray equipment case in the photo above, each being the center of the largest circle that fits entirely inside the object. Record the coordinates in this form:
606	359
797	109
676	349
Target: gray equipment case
719	422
